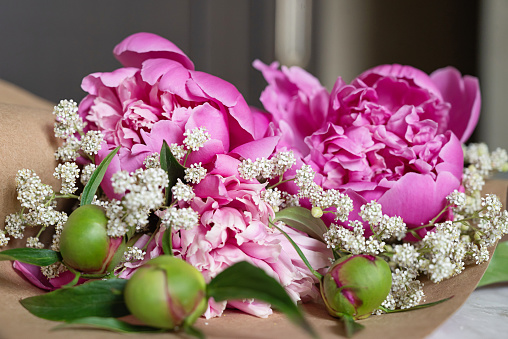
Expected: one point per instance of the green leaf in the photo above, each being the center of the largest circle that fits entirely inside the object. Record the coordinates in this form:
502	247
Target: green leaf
417	307
34	256
100	298
351	325
110	324
301	219
172	167
498	268
96	178
245	281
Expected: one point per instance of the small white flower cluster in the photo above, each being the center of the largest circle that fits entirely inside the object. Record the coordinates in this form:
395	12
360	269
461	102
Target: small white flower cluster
144	193
195	138
31	191
195	173
178	151
340	203
152	161
406	291
53	270
33	242
4	239
15	225
182	192
180	218
485	162
68	172
273	197
86	173
382	226
68	122
267	168
133	254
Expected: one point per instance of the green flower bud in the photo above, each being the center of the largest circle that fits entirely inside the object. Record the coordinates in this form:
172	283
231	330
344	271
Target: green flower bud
85	245
356	285
316	212
166	292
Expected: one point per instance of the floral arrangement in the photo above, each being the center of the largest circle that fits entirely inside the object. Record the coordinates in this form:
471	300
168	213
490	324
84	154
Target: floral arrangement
349	195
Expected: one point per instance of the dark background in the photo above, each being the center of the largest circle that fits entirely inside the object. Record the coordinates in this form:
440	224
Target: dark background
47	47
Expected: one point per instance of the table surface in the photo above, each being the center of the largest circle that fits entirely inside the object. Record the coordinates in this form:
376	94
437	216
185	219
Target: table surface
484	315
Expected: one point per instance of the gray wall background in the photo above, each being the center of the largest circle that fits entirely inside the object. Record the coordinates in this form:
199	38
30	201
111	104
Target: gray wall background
47	47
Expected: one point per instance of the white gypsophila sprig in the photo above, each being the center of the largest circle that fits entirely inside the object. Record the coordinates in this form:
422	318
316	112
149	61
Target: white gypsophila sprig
180	218
4	239
478	155
325	199
273	197
15	225
115	213
406	255
248	169
282	161
33	242
133	254
68	122
182	192
91	142
53	270
473	180
68	172
491	206
340	238
406	290
178	151
195	173
152	161
87	172
69	149
195	138
144	194
371	212
289	200
31	191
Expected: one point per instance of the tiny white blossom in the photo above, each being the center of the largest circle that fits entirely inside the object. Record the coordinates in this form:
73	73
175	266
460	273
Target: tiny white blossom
273	197
69	149
195	173
68	172
134	254
87	172
182	192
4	240
152	161
180	218
178	151
33	242
53	270
248	169
195	138
282	161
68	122
91	142
15	225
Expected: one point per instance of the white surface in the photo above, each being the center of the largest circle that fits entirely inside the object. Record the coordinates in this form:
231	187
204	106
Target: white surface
484	315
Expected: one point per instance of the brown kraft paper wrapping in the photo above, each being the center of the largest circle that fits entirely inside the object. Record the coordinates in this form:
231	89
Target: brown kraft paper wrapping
26	141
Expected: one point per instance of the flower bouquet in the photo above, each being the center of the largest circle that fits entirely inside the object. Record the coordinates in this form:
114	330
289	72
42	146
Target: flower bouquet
178	200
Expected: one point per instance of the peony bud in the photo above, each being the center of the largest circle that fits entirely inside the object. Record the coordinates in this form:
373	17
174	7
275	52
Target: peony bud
166	292
356	285
85	245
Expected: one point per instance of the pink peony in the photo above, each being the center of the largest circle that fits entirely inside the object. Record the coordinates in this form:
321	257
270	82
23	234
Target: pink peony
394	135
157	96
34	275
234	227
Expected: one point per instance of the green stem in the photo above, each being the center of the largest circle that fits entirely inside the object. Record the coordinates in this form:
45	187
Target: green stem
281	182
299	251
66	196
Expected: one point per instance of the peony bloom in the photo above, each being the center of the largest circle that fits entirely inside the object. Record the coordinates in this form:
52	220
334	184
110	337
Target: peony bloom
158	96
393	135
233	227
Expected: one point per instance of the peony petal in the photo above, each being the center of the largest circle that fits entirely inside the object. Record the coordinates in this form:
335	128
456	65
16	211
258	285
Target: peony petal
136	48
464	96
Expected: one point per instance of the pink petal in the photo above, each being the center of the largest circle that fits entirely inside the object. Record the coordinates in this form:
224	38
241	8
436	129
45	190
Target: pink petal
135	49
464	96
